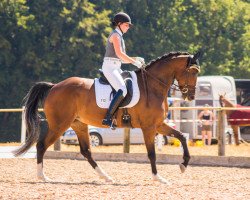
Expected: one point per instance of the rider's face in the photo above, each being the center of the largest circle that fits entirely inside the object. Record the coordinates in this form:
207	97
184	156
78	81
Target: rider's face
124	27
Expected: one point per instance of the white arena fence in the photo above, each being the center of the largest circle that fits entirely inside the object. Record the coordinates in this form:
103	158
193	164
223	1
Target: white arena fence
221	121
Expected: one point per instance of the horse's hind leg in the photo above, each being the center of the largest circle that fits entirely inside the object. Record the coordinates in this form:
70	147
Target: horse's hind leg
55	129
81	130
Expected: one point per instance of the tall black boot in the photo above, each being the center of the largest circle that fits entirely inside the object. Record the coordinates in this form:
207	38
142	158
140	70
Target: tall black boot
112	108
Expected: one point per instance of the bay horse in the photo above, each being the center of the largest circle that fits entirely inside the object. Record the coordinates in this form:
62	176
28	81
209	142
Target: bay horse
235	117
71	103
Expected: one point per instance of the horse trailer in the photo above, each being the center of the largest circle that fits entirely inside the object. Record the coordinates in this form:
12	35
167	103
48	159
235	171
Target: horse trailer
207	92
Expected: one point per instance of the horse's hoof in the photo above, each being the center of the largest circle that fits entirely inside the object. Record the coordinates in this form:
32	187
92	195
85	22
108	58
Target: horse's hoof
158	178
44	179
109	180
183	168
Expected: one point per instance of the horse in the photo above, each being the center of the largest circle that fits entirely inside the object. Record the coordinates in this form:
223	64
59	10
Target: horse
71	103
235	114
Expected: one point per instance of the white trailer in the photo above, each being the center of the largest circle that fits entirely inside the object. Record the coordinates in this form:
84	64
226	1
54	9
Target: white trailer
207	92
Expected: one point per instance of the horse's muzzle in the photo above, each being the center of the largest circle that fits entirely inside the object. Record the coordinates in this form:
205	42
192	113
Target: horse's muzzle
188	97
191	97
188	92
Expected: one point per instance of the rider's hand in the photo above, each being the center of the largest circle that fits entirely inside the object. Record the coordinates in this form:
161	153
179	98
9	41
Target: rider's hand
140	59
137	63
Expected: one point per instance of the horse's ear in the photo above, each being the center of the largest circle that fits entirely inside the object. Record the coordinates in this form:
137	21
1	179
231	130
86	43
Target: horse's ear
197	55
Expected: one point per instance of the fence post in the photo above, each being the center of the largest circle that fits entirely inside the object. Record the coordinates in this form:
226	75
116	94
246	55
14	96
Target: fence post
126	140
221	133
23	127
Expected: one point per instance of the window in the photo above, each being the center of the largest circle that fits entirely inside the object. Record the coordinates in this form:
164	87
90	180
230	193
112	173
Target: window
204	89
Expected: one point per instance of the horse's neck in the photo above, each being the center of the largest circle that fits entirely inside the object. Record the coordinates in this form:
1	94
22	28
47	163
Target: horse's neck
159	80
228	103
160	75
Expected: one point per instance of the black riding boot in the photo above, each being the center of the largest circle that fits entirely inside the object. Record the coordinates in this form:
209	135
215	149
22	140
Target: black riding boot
112	108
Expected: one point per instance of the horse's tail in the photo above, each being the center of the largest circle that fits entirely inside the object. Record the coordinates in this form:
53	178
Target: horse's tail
36	95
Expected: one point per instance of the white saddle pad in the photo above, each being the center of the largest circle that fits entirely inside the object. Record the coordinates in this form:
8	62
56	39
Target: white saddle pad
102	93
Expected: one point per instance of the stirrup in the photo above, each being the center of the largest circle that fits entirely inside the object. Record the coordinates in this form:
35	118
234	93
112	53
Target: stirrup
113	125
109	122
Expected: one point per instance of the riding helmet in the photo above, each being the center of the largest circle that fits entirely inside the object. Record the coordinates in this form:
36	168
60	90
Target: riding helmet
121	17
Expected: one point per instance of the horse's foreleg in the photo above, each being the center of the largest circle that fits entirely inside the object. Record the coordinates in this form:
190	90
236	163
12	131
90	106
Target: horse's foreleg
164	129
149	137
81	130
236	134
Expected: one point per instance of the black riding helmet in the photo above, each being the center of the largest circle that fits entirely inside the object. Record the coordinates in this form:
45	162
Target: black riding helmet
121	17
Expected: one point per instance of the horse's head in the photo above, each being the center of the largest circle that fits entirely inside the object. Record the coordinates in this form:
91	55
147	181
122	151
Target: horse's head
187	77
222	99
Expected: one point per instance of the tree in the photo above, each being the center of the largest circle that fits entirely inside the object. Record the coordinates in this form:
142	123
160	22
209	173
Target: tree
49	41
220	28
44	40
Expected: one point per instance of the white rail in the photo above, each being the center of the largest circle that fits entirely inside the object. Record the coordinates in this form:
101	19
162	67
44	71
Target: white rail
221	110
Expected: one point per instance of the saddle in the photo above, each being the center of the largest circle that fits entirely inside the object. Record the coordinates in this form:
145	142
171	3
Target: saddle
129	84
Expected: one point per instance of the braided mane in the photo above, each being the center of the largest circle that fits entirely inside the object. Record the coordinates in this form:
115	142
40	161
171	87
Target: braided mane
165	57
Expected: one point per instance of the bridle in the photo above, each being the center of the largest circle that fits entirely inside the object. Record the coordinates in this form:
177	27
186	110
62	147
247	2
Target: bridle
186	87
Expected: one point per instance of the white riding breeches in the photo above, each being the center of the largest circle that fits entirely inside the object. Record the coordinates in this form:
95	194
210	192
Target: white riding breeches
111	68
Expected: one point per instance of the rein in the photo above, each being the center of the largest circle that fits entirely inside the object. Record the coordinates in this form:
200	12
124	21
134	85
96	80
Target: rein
145	83
146	73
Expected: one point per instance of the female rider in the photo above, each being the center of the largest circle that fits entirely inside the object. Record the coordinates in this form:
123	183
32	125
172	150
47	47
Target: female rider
116	55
